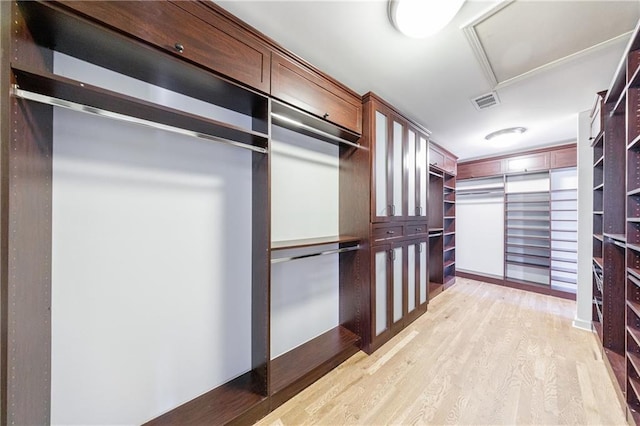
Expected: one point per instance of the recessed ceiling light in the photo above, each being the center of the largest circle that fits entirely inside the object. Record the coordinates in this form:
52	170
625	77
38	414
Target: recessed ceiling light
422	18
506	134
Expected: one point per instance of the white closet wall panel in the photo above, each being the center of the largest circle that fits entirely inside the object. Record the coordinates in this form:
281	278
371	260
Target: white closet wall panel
304	298
304	186
151	263
480	234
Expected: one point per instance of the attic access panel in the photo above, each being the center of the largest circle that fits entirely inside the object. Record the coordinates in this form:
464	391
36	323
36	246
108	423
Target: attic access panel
518	37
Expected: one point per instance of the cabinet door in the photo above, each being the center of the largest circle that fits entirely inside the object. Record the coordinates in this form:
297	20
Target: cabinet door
397	168
381	163
450	164
565	157
412	276
303	87
527	163
381	294
423	171
411	157
397	284
423	273
436	158
188	30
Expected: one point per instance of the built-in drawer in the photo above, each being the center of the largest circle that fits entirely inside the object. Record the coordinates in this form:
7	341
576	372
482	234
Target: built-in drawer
415	229
300	86
189	30
386	232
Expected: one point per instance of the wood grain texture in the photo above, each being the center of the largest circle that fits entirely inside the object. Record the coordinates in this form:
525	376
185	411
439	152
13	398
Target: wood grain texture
482	354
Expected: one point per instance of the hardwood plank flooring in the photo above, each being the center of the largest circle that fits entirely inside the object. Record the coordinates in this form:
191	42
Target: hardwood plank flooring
482	354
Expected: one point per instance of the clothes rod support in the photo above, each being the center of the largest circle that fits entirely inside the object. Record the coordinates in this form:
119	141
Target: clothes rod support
323	253
49	100
284	119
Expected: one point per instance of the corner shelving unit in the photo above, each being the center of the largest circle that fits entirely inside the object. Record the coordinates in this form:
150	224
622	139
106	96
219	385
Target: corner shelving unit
449	233
598	214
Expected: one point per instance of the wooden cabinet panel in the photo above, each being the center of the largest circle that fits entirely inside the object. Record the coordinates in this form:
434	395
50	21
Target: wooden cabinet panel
479	169
527	163
208	39
566	157
304	88
415	229
436	158
450	165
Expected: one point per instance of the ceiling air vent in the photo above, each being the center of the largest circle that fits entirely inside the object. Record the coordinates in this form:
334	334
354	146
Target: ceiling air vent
486	101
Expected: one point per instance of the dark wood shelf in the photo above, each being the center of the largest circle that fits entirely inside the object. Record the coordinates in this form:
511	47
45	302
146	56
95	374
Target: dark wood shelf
633	219
597	140
560	259
633	247
449	201
598	212
310	242
218	406
448	263
449	248
598	261
301	366
634	144
634	359
617	237
449	233
93	97
634	384
635	307
635	334
598	187
634	192
634	271
618	365
620	106
598	237
634	280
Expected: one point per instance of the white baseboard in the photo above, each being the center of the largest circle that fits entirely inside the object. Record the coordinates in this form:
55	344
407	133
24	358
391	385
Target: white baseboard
582	324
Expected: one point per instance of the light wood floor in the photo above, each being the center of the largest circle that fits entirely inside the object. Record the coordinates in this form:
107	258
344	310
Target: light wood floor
482	354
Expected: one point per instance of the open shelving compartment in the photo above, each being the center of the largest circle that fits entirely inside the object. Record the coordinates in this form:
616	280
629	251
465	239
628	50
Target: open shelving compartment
171	153
319	243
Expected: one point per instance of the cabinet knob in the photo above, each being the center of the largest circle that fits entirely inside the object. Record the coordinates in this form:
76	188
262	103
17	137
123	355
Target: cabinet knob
391	232
179	47
326	115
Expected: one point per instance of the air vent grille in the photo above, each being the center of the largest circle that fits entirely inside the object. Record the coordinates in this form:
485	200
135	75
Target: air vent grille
486	101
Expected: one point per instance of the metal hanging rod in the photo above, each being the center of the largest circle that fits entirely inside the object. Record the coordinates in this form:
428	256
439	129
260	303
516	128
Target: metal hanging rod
322	253
437	234
49	100
296	123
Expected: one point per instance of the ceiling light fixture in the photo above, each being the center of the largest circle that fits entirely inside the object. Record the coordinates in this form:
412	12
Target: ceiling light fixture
506	135
422	18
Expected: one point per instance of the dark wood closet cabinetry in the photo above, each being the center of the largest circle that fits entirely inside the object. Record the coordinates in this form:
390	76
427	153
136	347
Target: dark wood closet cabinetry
199	51
403	224
615	131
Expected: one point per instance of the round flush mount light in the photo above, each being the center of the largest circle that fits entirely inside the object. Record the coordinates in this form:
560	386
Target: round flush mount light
422	18
505	134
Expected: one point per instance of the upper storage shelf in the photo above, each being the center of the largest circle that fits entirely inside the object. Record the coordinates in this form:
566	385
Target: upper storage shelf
64	92
52	26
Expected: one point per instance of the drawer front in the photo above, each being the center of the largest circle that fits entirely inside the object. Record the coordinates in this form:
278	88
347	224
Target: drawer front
385	233
449	165
436	158
415	229
479	169
527	163
566	157
309	91
192	31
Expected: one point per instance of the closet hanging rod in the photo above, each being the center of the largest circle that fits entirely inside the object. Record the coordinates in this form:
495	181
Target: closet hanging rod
285	119
49	100
322	253
437	234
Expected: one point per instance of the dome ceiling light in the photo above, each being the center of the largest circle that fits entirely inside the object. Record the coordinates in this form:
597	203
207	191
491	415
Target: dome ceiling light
422	18
506	135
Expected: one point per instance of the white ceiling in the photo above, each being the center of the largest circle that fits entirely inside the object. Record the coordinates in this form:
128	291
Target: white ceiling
433	80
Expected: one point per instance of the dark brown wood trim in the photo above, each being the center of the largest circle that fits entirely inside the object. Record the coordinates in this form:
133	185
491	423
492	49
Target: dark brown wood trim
372	96
518	154
520	286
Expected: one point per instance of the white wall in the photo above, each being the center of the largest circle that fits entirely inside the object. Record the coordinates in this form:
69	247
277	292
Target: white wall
151	262
304	204
585	224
